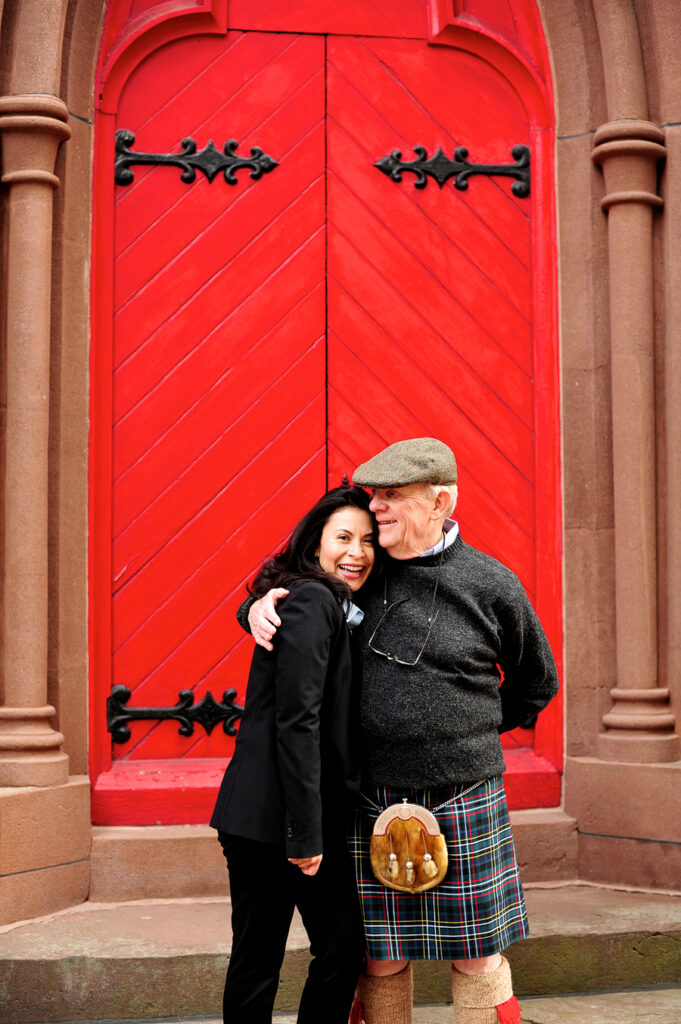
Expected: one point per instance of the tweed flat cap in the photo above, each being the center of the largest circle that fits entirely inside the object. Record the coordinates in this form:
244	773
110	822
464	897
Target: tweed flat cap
421	460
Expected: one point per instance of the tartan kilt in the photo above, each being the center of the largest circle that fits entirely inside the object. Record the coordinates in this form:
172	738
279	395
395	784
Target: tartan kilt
476	910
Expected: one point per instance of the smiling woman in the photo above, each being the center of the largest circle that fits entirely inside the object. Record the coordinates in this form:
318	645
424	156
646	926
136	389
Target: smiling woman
280	811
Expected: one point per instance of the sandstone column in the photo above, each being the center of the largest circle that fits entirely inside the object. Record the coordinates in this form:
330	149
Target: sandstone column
640	725
31	129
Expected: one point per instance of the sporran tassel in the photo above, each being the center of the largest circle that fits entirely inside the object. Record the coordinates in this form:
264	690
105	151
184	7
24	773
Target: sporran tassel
429	867
393	866
410	873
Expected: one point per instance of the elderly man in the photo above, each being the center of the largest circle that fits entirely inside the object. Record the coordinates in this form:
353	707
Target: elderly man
434	638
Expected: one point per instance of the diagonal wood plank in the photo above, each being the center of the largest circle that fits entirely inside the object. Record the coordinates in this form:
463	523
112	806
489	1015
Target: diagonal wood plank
171	595
188	489
181	222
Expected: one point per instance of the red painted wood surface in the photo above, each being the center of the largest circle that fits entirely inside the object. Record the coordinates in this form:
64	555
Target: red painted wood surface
430	302
169	791
253	341
219	365
352	17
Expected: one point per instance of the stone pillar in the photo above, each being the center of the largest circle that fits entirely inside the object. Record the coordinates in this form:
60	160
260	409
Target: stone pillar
31	129
640	725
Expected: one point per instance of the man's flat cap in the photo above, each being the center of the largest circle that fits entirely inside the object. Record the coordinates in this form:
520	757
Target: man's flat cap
421	460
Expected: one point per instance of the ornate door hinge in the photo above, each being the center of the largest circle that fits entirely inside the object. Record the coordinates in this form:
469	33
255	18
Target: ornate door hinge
208	712
441	168
210	161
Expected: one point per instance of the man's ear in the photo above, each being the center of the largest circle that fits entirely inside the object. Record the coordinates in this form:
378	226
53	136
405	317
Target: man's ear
443	504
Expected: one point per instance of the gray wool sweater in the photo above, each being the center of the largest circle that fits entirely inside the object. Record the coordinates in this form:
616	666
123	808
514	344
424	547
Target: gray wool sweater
439	722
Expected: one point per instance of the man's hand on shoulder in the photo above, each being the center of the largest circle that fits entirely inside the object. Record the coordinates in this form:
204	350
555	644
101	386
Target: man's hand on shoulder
263	618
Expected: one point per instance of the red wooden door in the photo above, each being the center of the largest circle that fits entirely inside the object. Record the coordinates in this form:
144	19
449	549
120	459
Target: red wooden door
430	302
256	340
432	318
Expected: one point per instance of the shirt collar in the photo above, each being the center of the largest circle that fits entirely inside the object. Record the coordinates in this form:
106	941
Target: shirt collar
450	530
353	614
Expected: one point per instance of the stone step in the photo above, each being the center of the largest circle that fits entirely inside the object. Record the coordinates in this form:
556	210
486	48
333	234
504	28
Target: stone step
633	1006
159	959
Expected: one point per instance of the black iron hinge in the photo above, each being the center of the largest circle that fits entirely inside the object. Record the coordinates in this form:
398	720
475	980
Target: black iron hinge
441	168
210	161
208	713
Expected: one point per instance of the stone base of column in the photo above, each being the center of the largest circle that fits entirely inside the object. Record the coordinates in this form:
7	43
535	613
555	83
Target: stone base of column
30	749
638	748
639	727
33	769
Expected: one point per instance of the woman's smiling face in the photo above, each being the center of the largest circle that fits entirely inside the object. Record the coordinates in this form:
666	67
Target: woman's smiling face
346	548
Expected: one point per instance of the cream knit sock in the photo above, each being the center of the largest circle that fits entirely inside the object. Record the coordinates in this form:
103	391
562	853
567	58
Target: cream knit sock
386	1000
477	996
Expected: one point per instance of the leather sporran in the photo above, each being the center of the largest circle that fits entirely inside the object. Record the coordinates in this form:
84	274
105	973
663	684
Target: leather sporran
408	851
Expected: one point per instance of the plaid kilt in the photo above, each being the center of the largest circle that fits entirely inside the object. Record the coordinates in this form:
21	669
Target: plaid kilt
476	910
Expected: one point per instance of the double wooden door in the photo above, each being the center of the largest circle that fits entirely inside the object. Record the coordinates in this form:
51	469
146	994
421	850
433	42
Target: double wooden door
270	334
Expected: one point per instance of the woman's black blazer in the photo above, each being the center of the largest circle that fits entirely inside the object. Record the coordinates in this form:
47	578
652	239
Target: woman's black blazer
296	754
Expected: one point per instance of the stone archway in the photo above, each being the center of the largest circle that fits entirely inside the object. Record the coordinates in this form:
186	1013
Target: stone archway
50	50
447	336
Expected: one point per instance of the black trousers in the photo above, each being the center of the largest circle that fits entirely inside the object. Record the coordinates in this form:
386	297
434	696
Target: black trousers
265	889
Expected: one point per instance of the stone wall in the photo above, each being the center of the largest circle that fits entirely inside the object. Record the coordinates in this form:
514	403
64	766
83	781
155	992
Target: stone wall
618	187
619	192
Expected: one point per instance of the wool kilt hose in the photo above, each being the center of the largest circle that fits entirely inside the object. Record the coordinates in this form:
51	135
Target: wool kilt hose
477	909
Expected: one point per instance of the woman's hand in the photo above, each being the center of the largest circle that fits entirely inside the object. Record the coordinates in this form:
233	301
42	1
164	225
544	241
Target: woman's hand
263	618
308	865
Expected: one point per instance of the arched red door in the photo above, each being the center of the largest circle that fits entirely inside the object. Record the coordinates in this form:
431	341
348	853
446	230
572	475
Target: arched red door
253	340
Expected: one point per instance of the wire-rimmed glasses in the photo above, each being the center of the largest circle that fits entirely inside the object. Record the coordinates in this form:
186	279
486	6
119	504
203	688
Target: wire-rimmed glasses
388	654
389	607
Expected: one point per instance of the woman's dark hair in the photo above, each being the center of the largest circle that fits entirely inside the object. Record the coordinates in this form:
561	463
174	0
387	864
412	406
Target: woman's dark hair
298	560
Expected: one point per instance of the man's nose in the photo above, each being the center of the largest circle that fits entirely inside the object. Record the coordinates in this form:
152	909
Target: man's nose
375	503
